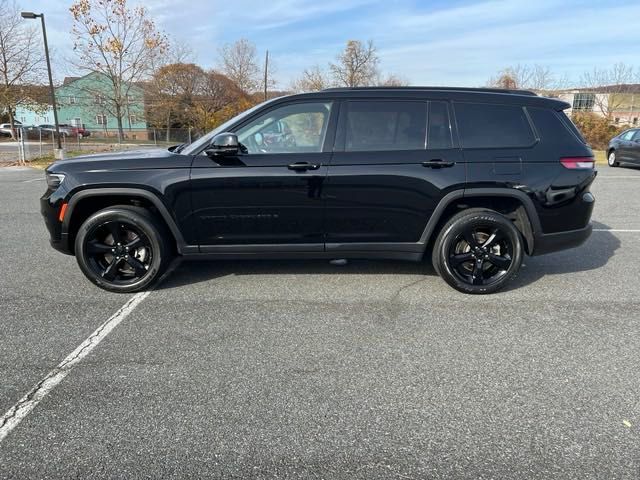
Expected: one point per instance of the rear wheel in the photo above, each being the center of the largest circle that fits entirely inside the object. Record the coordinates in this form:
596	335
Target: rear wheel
478	252
122	249
611	159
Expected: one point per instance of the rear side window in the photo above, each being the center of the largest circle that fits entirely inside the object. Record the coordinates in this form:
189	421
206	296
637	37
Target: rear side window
636	136
492	126
569	124
439	135
372	126
554	127
628	135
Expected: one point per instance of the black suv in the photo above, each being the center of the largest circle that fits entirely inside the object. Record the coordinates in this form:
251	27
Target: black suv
476	177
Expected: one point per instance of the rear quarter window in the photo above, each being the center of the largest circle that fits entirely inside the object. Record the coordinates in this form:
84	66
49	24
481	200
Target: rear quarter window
554	127
483	125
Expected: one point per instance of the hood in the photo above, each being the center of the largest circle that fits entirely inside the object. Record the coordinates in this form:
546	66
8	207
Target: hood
125	160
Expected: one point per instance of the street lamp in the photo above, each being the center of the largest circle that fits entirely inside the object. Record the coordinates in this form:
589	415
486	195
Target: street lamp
32	16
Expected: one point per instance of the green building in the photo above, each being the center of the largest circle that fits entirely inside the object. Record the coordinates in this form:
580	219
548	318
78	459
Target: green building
86	101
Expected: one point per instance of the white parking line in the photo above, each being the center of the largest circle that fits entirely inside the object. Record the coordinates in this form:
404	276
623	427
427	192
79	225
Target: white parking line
621	230
26	404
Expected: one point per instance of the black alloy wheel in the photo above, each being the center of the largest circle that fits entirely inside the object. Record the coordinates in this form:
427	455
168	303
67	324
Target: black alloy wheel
478	251
122	249
119	252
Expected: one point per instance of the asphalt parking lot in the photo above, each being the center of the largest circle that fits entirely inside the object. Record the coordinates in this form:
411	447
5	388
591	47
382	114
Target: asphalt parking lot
309	370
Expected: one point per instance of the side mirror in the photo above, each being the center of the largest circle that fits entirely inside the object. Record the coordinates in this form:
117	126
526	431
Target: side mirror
223	144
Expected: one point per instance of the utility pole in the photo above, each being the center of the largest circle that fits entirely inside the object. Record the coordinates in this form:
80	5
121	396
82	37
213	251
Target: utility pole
266	74
31	15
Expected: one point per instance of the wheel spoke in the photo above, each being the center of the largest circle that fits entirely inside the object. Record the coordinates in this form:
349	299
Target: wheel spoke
112	270
114	229
95	247
469	238
456	260
477	277
137	265
496	236
502	262
135	243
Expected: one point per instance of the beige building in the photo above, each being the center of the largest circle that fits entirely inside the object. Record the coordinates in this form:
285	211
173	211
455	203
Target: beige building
621	103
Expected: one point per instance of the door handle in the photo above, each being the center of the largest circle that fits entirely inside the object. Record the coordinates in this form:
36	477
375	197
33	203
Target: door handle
437	163
302	166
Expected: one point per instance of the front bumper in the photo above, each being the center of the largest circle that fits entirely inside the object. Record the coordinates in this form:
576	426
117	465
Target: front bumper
50	212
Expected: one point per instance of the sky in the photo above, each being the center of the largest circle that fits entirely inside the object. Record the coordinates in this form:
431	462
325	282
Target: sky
429	42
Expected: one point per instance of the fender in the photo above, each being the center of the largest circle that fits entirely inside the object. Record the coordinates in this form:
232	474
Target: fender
451	197
130	192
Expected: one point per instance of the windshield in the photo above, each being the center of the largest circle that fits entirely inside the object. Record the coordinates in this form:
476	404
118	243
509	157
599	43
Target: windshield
193	148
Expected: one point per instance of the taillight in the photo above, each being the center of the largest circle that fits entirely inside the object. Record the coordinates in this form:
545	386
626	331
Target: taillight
578	163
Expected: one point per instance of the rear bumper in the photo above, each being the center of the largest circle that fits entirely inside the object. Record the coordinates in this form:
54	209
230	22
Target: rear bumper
553	242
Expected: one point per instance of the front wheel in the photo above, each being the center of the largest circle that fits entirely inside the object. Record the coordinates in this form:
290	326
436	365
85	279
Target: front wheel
611	159
122	249
478	252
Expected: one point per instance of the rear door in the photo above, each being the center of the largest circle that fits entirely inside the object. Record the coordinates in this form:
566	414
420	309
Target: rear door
497	141
385	177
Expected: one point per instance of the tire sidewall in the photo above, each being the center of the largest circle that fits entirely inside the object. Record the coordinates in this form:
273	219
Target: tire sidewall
609	161
142	222
450	233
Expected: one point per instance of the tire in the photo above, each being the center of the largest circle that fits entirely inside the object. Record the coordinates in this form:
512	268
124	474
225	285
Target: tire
611	159
467	247
130	237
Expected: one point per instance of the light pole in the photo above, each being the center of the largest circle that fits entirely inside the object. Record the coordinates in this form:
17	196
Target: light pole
31	15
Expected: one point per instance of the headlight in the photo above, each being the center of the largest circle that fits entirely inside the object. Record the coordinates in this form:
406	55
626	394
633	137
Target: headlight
54	180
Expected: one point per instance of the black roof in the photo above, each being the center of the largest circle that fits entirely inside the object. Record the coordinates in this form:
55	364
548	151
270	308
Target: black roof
444	89
463	94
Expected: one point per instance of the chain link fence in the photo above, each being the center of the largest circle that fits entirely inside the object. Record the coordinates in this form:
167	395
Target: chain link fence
34	143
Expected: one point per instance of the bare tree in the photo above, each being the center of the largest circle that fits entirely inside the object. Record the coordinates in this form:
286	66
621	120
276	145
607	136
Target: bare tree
611	86
21	59
392	80
239	62
118	42
356	66
313	79
533	77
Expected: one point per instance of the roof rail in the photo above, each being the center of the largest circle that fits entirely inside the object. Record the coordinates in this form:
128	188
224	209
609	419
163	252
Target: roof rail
452	89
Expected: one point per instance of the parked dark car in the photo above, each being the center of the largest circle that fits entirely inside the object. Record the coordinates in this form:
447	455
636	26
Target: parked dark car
474	179
624	148
47	128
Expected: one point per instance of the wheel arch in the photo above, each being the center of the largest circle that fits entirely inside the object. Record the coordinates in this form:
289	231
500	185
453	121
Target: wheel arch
514	204
86	202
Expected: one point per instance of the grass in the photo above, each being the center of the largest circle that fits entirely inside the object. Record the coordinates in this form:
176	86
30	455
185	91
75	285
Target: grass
601	157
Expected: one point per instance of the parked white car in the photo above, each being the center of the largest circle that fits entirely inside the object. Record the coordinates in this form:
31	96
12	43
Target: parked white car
5	128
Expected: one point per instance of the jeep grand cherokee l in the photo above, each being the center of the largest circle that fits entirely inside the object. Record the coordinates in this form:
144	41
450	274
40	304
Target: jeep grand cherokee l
473	178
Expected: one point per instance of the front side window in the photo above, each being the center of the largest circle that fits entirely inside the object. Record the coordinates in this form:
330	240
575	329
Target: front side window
295	128
379	126
636	136
483	125
627	135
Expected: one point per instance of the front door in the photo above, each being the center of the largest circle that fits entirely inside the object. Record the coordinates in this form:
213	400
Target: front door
270	194
634	148
387	175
